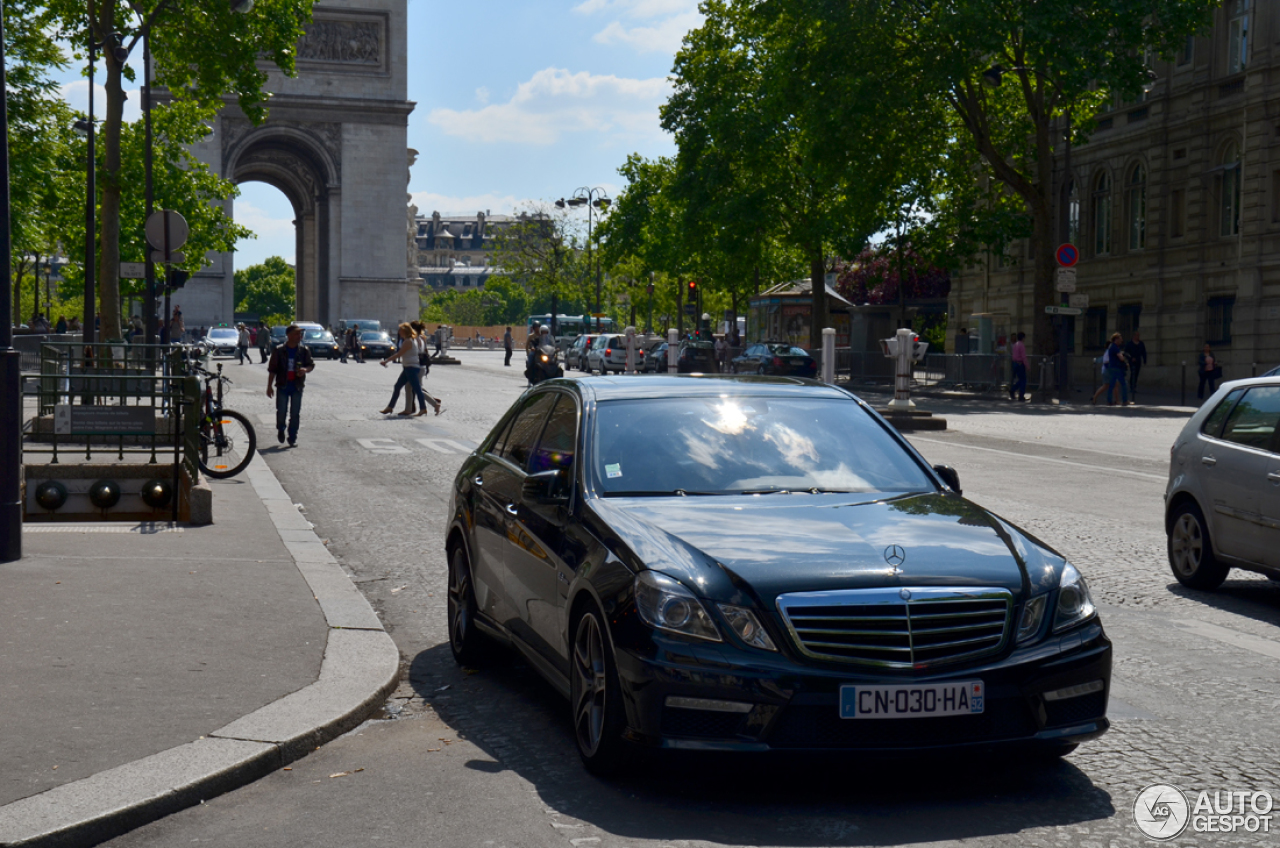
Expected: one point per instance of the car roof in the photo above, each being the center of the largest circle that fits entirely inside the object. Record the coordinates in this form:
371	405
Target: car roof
606	388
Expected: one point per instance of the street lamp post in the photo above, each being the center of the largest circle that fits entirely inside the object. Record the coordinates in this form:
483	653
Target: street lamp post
10	359
592	198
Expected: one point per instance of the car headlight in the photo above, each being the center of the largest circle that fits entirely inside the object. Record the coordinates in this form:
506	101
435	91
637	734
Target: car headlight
747	626
665	604
1074	602
1032	618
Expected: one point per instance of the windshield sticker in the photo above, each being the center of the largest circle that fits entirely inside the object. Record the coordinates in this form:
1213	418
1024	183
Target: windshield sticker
613	470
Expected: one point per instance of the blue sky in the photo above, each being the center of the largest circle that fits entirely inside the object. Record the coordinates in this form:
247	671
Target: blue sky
516	102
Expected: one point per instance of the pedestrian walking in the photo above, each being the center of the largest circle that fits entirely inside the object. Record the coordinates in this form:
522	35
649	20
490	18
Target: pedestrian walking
409	372
508	344
1209	370
177	326
1136	352
722	351
242	344
264	340
1018	385
1115	371
424	370
287	372
61	326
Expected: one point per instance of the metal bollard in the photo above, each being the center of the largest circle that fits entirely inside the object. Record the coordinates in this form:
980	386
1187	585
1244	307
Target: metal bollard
828	355
1183	402
673	351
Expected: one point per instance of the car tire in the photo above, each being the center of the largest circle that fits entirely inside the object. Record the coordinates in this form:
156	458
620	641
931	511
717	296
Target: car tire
595	697
1191	550
470	647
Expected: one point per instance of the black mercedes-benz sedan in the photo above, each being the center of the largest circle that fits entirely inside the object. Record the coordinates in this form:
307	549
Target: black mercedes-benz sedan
761	564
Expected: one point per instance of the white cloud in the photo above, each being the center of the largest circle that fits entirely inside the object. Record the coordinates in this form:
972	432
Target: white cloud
499	204
665	22
482	95
555	101
77	96
666	37
275	235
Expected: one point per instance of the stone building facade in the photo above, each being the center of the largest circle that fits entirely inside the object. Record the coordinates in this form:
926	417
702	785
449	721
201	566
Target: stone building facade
1174	204
456	251
335	143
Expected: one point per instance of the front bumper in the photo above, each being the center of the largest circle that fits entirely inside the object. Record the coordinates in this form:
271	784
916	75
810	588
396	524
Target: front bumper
794	707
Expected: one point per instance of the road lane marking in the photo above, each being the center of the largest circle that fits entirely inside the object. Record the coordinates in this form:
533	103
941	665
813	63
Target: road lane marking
1226	636
1140	474
444	445
381	446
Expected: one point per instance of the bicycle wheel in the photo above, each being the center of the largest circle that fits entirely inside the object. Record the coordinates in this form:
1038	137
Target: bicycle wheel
228	442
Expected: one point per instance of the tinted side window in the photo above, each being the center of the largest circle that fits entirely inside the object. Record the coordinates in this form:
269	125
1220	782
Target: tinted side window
556	447
1213	424
1253	421
518	444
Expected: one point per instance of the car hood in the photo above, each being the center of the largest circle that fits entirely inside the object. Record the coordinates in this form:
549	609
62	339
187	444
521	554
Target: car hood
808	543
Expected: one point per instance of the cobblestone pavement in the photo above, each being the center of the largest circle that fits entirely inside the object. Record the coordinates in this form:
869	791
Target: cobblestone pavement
487	758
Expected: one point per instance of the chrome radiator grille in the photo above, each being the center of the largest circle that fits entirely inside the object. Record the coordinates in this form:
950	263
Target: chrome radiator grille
898	627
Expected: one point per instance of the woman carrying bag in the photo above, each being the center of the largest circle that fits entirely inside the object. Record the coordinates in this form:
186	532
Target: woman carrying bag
410	371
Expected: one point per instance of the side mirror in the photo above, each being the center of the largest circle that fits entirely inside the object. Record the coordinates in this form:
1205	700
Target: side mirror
950	477
544	488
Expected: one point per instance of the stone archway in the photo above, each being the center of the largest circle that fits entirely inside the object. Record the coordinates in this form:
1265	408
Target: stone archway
302	162
335	143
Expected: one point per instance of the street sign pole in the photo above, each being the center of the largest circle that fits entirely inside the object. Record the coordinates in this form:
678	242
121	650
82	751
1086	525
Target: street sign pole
1067	255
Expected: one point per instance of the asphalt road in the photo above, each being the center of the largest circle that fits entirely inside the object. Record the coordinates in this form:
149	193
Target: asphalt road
486	758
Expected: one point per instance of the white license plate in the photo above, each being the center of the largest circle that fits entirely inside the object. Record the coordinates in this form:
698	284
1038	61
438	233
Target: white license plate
925	700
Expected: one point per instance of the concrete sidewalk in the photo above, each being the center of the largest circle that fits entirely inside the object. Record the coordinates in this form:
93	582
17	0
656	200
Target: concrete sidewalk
146	668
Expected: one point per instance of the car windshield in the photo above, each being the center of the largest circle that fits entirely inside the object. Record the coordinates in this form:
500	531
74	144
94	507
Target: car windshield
223	333
317	336
747	445
787	350
374	337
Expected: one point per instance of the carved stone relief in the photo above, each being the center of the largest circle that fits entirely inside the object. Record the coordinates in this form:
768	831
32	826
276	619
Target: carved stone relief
342	42
326	136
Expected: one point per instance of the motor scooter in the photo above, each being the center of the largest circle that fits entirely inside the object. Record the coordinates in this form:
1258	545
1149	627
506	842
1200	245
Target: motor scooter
544	364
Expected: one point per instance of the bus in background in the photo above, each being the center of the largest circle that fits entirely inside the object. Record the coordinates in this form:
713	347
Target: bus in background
569	327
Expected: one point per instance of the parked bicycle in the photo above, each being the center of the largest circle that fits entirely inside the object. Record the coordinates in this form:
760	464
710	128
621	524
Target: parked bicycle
227	439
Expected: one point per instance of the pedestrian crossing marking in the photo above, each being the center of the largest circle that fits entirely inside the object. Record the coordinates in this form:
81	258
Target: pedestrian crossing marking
381	446
444	445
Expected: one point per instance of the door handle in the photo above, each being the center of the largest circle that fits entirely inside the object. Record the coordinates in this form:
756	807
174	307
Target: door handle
479	480
1274	477
511	508
1208	460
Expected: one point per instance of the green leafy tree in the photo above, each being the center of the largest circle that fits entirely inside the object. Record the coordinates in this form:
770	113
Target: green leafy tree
202	51
1056	63
542	252
267	290
774	141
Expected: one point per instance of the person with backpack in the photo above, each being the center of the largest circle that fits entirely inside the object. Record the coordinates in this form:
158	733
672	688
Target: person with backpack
409	373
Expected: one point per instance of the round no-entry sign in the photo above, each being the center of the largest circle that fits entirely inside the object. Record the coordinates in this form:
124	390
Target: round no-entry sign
1068	255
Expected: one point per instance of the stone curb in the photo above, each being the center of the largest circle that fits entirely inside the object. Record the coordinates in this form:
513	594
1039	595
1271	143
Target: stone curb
360	670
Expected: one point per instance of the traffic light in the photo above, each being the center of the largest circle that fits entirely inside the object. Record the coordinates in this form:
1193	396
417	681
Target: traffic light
178	279
693	291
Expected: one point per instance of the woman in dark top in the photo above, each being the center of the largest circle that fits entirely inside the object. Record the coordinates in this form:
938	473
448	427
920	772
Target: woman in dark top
1115	372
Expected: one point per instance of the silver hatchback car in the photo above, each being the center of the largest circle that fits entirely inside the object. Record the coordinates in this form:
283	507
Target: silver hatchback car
1222	503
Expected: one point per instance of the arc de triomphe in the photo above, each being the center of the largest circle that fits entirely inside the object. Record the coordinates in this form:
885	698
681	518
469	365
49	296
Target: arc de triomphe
335	143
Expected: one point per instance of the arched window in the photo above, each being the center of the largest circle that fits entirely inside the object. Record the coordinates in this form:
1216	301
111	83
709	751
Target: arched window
1102	215
1136	206
1229	191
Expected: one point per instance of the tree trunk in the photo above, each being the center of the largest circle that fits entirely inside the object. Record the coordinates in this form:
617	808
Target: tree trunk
1045	341
818	313
109	180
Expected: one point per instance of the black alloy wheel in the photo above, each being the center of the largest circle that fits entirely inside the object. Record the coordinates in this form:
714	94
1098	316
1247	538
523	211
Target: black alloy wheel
465	641
1191	551
596	697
